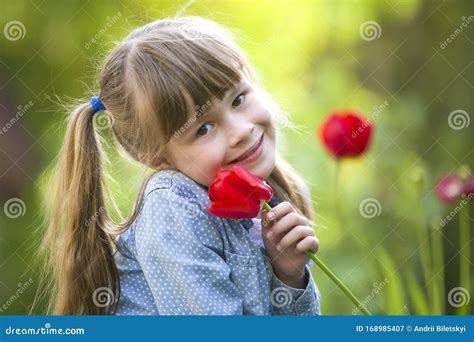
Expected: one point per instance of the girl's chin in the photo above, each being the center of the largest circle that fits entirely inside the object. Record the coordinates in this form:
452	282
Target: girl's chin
264	168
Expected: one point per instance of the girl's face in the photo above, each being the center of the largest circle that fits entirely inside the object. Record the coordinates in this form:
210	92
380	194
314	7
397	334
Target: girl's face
235	131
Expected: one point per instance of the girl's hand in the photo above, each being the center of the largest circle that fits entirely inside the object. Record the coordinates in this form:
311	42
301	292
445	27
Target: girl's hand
287	235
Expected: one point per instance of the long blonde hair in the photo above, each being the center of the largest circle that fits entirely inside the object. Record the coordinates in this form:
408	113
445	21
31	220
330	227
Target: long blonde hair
144	83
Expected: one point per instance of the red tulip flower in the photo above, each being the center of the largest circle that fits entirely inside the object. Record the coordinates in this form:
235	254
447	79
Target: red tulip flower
237	194
345	134
451	187
468	189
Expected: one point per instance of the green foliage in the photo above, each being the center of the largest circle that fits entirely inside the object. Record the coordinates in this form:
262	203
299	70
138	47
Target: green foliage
313	59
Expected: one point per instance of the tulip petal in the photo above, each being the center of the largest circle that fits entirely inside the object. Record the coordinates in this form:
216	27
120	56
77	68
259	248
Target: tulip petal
468	189
237	194
262	189
228	185
345	134
235	210
449	188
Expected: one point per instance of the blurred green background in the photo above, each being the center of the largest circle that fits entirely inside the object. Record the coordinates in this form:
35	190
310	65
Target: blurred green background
389	60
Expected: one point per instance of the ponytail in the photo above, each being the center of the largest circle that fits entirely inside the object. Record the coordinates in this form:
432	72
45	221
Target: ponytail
78	241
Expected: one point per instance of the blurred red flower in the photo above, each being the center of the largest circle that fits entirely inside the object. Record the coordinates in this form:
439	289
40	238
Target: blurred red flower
449	188
346	134
469	187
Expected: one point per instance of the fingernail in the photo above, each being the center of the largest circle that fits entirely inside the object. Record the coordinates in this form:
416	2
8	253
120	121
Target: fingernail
269	234
279	247
270	215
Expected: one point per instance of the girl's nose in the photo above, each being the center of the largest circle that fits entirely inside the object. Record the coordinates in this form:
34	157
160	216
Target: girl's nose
240	131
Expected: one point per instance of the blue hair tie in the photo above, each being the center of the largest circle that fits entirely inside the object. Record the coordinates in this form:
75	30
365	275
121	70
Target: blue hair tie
97	104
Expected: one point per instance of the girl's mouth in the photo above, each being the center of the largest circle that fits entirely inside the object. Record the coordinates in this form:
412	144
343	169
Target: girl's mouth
251	154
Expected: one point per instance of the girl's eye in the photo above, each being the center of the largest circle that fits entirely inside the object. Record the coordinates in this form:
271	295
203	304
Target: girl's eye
238	100
203	130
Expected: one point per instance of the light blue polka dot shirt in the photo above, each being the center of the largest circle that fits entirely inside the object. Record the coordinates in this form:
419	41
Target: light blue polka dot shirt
177	259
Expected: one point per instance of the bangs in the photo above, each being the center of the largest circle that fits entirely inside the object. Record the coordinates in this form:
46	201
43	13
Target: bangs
177	79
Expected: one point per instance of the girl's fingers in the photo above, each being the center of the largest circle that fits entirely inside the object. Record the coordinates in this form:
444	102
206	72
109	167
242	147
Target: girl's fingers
286	223
309	243
280	210
294	235
266	223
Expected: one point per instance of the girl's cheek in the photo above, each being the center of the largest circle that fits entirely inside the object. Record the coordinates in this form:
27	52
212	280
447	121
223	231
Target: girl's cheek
271	128
269	120
213	153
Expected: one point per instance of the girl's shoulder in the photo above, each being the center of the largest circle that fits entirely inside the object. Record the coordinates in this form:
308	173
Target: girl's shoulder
177	185
173	203
175	181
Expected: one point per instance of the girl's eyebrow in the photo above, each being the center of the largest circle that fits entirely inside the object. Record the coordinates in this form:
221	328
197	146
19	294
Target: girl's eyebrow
233	89
201	114
204	111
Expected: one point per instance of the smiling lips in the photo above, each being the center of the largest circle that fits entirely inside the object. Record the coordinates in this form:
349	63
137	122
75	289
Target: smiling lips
250	152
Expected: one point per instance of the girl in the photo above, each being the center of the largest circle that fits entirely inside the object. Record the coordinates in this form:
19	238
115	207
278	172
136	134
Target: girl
184	101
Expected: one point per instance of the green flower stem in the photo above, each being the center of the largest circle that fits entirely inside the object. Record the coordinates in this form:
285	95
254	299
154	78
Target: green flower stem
361	242
465	253
438	269
423	240
344	225
266	206
338	282
331	275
